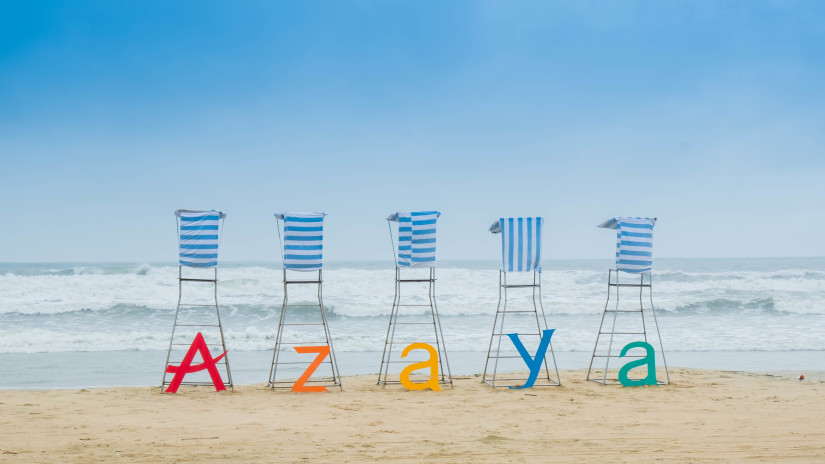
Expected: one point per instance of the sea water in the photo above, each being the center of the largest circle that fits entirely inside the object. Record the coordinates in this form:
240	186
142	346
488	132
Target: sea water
75	325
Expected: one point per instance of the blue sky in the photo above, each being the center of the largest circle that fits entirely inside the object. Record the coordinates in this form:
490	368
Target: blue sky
708	115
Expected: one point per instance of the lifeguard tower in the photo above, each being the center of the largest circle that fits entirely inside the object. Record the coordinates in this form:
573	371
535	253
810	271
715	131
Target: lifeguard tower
520	272
628	320
414	269
198	240
302	323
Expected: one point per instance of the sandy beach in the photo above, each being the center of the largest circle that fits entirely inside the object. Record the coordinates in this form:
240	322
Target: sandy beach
703	416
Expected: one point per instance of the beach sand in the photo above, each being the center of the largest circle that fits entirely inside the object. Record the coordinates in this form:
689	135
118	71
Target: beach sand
703	416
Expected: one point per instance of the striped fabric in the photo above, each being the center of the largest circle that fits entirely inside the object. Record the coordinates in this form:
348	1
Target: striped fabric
520	243
416	238
198	237
404	239
634	244
303	240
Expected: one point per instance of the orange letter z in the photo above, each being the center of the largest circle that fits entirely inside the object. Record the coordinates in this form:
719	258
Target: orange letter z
323	352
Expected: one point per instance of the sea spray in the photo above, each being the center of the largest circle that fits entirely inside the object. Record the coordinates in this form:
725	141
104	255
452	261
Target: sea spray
702	304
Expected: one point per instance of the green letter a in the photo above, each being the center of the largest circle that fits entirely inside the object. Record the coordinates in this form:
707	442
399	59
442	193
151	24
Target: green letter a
649	359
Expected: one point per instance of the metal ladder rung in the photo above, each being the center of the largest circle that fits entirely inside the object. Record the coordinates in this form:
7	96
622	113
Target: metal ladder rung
310	380
621	333
519	334
210	345
288	385
629	285
304	323
304	343
289	381
522	379
412	323
197	325
398	382
405	362
329	382
198	384
402	343
303	363
178	363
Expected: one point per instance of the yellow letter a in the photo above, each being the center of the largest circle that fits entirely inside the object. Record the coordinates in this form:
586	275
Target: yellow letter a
432	363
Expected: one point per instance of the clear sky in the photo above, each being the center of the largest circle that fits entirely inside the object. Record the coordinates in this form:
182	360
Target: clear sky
709	115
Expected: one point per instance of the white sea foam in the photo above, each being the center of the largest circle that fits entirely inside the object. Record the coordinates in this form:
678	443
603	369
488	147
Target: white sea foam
462	333
130	307
360	292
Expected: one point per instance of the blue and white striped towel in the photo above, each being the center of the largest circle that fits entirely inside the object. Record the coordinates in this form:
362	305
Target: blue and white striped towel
198	237
520	243
404	239
416	238
303	240
634	244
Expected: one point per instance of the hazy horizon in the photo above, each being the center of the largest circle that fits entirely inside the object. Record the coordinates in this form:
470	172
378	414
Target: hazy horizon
389	261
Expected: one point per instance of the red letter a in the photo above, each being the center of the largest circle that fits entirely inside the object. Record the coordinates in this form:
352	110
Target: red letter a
186	367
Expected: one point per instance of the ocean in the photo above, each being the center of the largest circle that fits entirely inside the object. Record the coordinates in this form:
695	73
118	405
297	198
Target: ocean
106	324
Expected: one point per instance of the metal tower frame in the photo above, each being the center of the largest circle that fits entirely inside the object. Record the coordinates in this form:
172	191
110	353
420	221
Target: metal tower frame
225	361
593	374
445	375
329	381
498	333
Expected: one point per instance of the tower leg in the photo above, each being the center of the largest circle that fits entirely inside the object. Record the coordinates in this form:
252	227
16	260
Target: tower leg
493	334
